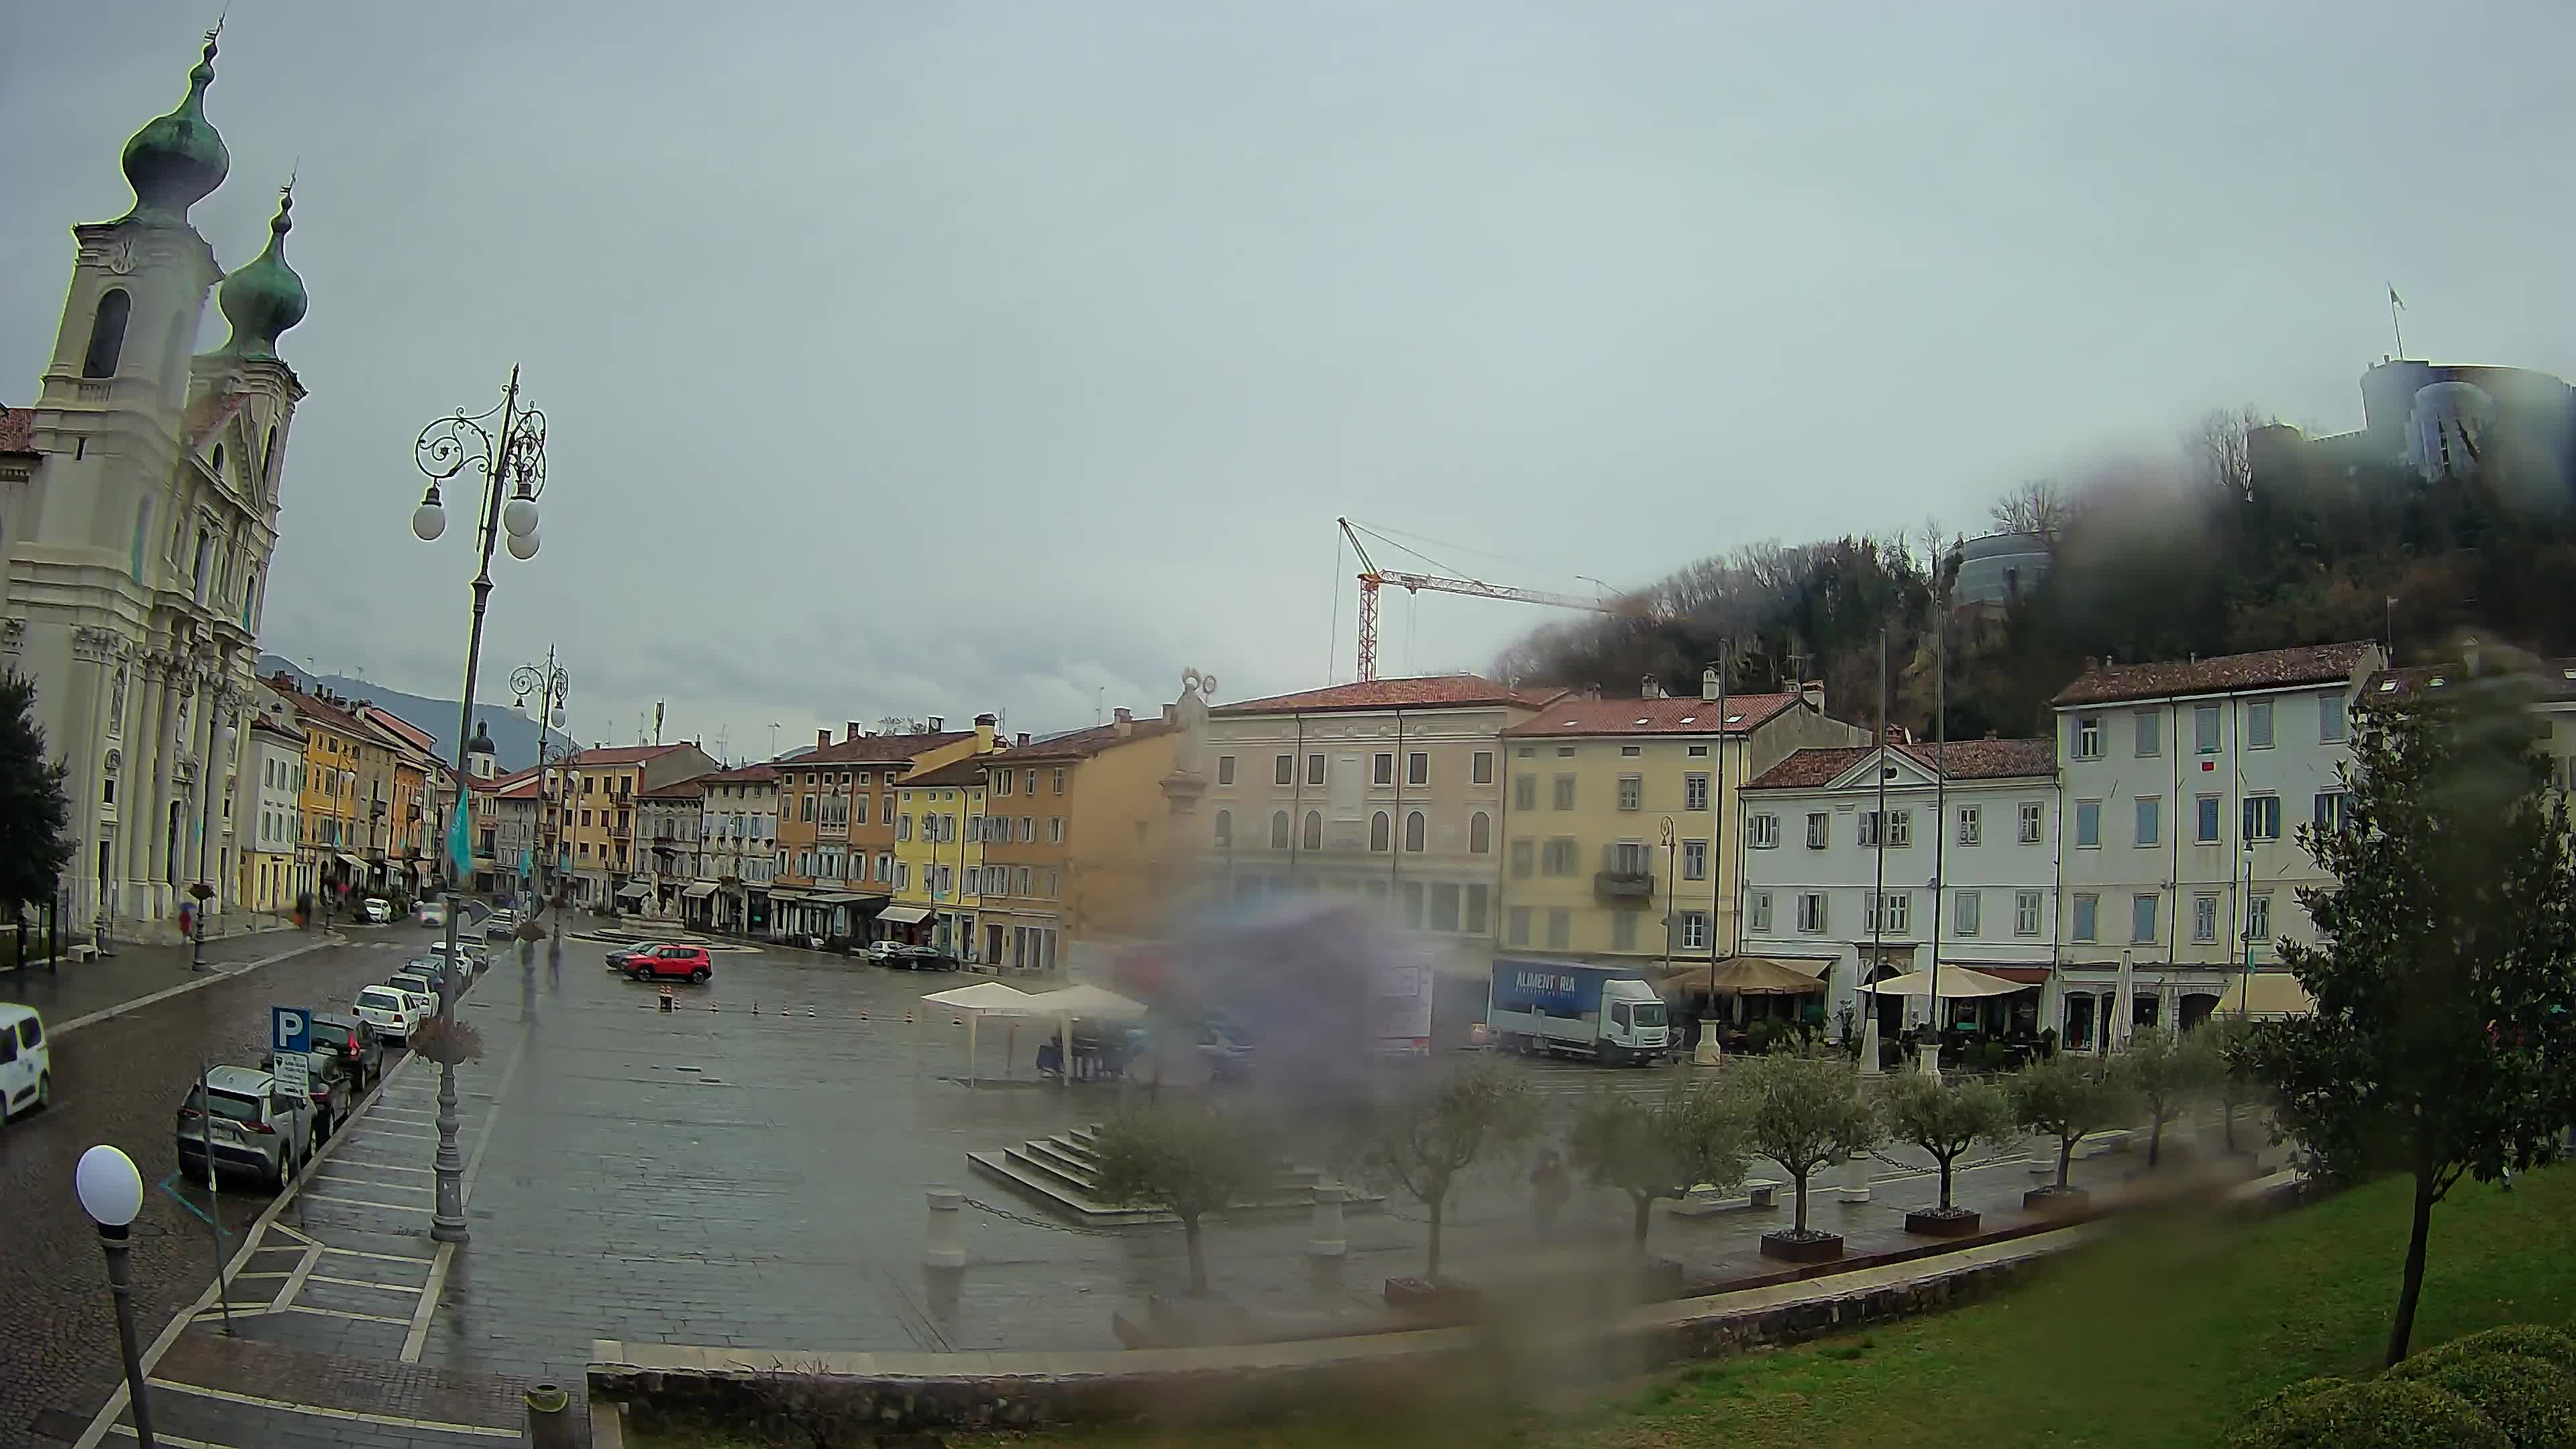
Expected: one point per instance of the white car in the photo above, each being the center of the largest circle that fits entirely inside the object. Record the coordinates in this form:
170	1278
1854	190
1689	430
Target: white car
391	1012
26	1061
478	957
431	913
376	910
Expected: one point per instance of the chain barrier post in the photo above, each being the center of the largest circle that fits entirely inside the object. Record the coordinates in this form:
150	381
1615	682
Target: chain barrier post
944	1245
1325	1238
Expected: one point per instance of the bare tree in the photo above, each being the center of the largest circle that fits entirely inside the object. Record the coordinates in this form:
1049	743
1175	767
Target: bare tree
2037	507
2217	453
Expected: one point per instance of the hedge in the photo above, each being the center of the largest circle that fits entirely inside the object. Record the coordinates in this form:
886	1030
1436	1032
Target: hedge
2374	1414
2532	1401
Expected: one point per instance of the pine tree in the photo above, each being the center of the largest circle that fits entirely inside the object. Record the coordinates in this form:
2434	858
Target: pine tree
2442	1044
35	817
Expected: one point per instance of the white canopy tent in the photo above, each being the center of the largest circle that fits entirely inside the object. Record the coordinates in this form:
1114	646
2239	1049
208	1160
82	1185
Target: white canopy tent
1094	1003
984	998
1957	983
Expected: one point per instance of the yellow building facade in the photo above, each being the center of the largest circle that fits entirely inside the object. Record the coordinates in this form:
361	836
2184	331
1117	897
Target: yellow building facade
1073	829
1622	828
938	855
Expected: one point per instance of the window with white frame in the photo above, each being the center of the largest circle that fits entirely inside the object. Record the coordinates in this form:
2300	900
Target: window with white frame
1525	792
1967	912
1481	768
1869	832
1971	825
2034	815
2150	734
2204	729
1382	768
2026	909
1757	911
2258	725
1225	769
2087	912
1283	770
1695	935
1812	914
2142	919
2333	719
1694	860
1762	832
1558	857
1820	830
1695	791
2205	820
2088	824
1564	796
2204	917
1632	792
2262	817
2085	737
1888	912
1417	768
1900	827
2151	820
2258	917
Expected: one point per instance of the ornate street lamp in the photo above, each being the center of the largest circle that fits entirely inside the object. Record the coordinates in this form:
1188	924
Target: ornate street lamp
111	1192
551	686
512	461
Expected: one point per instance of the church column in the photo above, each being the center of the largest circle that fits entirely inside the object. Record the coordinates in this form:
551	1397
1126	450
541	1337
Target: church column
176	689
85	752
135	797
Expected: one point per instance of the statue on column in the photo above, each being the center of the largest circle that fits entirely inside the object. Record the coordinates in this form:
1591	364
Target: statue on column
1190	714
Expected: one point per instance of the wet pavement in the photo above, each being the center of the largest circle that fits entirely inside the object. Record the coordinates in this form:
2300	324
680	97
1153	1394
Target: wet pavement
747	1169
119	1080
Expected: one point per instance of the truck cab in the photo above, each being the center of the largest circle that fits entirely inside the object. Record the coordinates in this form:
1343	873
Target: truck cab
1611	1014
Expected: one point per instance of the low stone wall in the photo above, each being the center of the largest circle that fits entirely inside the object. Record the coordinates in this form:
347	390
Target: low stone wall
897	1391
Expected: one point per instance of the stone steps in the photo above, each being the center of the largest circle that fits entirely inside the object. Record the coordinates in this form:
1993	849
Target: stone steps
1062	1172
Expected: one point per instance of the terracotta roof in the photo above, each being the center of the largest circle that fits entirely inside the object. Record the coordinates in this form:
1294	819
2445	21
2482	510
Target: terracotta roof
17	430
622	754
1435	691
330	714
747	775
1578	716
412	734
873	749
1959	760
968	771
693	788
1080	744
528	787
2270	669
263	722
2555	678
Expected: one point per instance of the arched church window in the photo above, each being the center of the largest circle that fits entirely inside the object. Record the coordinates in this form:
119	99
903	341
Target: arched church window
219	462
205	561
107	333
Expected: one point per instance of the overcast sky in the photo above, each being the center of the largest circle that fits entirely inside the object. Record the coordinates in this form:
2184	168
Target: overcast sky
934	358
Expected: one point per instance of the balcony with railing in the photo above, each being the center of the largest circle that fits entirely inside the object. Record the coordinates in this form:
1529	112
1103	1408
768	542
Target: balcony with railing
1624	888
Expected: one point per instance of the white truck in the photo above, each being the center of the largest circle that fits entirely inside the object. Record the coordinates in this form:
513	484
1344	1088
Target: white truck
1608	1013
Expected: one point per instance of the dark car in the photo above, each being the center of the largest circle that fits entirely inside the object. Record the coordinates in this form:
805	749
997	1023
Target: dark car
350	1048
921	958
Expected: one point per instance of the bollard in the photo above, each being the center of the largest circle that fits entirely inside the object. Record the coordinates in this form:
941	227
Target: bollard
944	1245
1706	1053
1855	1178
1324	1237
666	998
549	1416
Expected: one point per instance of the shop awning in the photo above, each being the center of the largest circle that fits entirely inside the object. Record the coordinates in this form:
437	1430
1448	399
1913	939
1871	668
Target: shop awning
1761	976
699	891
904	915
2266	994
783	893
351	861
2026	975
842	898
1957	983
637	891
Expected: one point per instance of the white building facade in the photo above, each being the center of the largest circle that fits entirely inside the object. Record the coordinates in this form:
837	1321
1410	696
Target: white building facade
738	850
138	518
2184	785
1964	871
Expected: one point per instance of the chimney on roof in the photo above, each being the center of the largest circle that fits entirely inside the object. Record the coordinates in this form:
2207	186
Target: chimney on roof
1123	721
1021	739
1813	692
1708	683
1649	688
2469	657
1990	734
854	731
822	738
2092	663
938	724
1592	691
986	725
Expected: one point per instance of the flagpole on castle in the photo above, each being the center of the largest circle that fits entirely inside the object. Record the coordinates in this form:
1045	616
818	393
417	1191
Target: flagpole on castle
2396	304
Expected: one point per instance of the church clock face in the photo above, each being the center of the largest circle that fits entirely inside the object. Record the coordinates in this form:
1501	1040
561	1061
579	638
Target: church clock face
120	256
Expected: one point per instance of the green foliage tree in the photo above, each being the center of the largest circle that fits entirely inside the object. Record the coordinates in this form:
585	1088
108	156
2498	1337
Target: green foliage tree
1420	1139
1186	1158
1803	1111
1944	1121
2165	1072
2226	1039
2442	1044
1692	1135
2066	1096
35	818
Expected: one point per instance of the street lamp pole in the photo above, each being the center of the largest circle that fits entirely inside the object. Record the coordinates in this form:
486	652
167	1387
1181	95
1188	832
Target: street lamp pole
512	462
552	686
111	1192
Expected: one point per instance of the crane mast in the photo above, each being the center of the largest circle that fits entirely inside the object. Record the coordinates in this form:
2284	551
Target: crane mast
1372	578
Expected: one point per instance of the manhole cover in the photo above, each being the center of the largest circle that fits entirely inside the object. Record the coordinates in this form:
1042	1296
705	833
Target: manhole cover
56	1424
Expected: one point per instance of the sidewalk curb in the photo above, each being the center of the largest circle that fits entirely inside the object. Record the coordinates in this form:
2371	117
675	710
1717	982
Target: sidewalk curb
193	983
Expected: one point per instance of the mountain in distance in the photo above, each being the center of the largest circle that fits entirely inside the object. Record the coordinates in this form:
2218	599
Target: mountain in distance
515	737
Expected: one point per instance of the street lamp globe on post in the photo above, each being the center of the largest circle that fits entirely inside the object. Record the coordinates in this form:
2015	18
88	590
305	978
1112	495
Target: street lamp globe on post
111	1192
507	445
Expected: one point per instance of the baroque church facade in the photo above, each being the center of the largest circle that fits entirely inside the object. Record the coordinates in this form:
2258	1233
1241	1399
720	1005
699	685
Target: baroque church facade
138	514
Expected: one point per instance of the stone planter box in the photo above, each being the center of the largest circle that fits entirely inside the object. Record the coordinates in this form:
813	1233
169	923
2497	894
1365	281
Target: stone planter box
2055	1200
1934	1223
1443	1300
1820	1248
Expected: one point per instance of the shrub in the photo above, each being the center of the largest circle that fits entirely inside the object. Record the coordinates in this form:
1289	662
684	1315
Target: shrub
2531	1400
2529	1340
2375	1414
2304	1388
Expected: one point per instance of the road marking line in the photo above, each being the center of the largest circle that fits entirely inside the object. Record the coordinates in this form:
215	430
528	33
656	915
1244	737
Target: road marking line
365	1202
418	1337
369	1186
212	1313
295	1284
220	973
240	1277
382	1166
380	1257
412	1136
171	1439
363	1283
336	1313
300	1244
395	1421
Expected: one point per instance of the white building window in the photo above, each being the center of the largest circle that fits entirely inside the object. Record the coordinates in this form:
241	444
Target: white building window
1891	913
2087	924
1757	911
2258	725
1694	860
1695	930
2262	817
2026	913
2033	816
2142	919
2332	722
2204	918
1820	830
2088	824
2204	729
1812	915
2150	734
2085	741
2151	820
1971	825
1762	831
1632	792
1968	912
2258	917
1694	792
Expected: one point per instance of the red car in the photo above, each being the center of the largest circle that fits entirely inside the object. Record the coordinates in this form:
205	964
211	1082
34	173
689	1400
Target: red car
669	963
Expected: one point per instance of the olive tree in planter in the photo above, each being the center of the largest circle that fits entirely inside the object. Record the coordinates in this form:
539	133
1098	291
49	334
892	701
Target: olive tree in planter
1692	1135
2227	1040
1186	1158
1419	1139
2065	1096
1803	1112
2164	1072
1944	1121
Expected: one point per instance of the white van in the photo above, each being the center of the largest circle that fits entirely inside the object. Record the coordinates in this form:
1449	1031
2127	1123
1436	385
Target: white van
26	1061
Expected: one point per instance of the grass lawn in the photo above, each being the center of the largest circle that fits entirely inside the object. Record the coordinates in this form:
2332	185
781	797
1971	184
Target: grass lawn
2159	1339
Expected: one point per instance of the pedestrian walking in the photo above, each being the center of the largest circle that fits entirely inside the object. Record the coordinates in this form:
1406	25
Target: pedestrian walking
1549	1188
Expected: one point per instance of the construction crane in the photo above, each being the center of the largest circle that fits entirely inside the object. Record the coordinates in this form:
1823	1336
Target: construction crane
1372	578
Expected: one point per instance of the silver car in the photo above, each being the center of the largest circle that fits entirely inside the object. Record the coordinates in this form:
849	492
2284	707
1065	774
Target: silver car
254	1127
